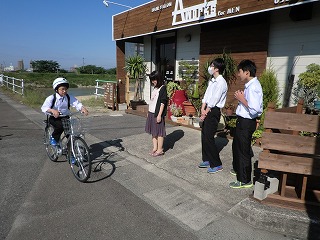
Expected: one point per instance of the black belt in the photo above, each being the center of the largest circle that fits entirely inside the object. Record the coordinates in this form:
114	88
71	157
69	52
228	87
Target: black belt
253	119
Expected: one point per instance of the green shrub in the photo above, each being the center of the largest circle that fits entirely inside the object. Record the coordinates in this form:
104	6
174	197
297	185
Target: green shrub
308	85
269	84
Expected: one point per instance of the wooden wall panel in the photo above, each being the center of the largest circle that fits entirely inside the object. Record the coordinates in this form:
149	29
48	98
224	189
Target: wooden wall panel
258	57
142	20
121	74
245	39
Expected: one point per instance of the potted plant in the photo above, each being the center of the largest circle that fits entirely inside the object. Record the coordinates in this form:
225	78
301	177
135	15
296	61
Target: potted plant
176	112
231	125
189	72
171	88
256	137
136	68
310	82
229	107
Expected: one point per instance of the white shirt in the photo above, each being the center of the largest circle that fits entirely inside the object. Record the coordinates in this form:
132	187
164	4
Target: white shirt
254	96
61	104
154	99
216	93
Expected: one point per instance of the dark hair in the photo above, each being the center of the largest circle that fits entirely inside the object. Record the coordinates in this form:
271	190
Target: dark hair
248	65
219	63
155	75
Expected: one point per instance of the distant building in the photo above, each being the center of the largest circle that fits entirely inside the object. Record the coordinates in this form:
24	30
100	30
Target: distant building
20	65
9	69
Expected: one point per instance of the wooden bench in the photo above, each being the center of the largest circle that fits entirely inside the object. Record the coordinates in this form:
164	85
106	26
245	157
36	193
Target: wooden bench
296	158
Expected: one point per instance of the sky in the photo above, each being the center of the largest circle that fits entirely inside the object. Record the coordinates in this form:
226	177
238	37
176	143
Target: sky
70	32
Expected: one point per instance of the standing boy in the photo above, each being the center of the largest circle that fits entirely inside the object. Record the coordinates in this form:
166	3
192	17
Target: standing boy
249	108
214	99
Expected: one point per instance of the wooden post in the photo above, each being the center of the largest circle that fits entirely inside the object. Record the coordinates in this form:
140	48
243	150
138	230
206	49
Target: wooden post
127	90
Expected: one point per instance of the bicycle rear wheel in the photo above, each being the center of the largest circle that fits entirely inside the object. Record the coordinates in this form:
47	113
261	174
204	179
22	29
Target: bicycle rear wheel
51	150
81	164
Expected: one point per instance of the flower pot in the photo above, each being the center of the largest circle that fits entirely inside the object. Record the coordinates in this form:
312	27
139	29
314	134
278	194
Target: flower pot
134	103
173	118
178	97
189	108
229	112
317	104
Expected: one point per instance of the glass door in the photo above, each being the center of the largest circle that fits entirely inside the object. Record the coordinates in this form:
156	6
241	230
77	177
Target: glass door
166	57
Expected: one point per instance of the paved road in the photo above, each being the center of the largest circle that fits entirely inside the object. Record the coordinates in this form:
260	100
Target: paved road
40	199
131	195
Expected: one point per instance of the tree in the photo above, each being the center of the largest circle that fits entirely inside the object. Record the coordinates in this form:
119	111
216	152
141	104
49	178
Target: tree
136	68
45	66
269	84
91	69
112	71
308	85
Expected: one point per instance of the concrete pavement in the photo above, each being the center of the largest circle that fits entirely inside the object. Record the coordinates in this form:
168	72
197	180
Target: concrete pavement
190	196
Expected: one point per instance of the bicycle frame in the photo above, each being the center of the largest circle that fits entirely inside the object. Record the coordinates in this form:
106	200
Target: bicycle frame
72	145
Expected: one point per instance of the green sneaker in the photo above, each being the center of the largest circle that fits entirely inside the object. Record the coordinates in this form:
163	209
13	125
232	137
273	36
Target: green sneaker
238	184
233	172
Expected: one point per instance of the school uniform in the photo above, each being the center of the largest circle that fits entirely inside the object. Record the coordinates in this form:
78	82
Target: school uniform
215	99
62	105
245	127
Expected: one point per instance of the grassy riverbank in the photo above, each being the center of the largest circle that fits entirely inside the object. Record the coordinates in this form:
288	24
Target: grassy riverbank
45	79
35	98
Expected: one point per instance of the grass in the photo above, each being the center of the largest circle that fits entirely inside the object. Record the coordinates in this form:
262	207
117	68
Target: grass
31	98
35	98
46	79
93	102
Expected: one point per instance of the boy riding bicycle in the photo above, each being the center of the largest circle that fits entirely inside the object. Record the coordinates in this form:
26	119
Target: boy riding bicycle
59	104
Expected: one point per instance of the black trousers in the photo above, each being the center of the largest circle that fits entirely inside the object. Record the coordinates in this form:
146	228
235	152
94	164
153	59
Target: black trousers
58	127
209	128
241	148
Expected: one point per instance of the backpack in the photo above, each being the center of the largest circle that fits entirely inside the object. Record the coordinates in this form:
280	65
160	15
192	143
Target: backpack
54	100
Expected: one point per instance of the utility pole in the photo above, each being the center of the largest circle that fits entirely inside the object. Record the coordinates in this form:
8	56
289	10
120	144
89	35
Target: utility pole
82	62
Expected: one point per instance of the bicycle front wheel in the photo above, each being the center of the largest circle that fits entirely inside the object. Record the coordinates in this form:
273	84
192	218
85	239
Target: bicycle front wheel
51	150
79	159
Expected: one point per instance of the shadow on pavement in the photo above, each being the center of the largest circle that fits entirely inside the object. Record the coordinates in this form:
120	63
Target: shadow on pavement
171	139
99	158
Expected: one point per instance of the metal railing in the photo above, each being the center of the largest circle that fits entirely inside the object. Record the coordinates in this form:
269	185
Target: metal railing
14	84
100	87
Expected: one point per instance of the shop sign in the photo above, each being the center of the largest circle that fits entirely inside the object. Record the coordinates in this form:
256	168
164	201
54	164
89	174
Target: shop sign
163	6
198	12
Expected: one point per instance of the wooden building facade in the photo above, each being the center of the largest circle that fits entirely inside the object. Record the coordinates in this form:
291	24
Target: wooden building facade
283	34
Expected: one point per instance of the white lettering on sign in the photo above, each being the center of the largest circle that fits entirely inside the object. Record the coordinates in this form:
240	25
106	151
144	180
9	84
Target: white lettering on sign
280	1
197	12
163	6
233	10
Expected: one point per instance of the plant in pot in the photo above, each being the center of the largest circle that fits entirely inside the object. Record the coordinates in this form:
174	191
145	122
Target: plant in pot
231	125
176	111
256	137
309	86
171	88
188	71
229	107
136	68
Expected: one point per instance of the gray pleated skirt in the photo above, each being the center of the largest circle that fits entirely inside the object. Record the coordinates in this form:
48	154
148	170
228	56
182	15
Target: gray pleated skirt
154	128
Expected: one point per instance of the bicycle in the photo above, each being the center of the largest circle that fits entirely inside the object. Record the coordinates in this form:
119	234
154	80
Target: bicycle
71	144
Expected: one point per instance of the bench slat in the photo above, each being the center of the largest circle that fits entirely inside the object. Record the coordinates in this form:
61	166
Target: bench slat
293	143
291	164
292	121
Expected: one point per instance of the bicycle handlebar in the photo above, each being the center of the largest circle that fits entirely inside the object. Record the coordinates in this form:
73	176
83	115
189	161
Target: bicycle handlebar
69	115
